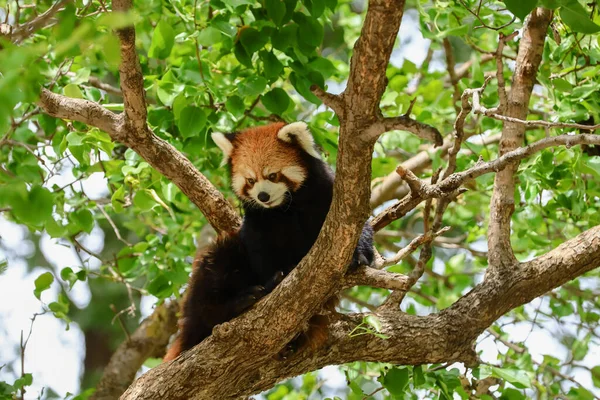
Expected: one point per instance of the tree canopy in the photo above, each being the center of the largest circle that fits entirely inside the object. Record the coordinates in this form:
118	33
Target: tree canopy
475	159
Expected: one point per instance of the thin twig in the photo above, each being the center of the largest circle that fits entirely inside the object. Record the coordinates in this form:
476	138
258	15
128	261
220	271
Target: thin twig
451	68
382	262
503	99
121	323
115	229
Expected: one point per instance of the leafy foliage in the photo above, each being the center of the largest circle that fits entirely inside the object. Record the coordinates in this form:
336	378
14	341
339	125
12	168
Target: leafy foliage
223	65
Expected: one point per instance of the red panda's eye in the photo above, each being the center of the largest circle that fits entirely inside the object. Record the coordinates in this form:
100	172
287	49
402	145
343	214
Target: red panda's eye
272	176
250	181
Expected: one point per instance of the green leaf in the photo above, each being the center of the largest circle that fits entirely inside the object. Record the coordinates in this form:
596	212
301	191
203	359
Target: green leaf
191	121
509	394
355	387
116	19
144	201
517	377
331	4
252	40
576	17
273	67
596	376
163	40
315	7
112	51
562	85
41	203
153	362
418	377
252	86
84	219
242	55
460	30
118	199
221	22
395	381
36	208
550	4
55	229
209	36
373	321
580	348
81	76
82	275
398	83
285	37
302	85
323	66
520	8
58	307
235	105
160	287
25	380
310	31
276	101
42	283
126	260
275	10
68	275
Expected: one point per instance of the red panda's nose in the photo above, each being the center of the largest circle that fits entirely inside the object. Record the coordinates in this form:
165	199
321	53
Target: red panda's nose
264	197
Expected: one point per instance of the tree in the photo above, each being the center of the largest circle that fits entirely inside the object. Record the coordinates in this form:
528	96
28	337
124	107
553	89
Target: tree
189	68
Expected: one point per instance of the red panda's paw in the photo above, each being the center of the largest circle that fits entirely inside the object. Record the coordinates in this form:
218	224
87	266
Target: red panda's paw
248	298
274	281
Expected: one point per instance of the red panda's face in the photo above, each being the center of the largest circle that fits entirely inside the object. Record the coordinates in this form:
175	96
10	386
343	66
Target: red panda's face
266	162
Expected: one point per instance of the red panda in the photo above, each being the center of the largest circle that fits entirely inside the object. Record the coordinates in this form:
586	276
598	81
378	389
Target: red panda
286	191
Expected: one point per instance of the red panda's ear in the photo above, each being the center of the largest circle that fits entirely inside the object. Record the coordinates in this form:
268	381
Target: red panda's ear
297	132
225	143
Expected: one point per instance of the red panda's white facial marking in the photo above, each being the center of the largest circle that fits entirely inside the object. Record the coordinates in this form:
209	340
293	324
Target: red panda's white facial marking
266	162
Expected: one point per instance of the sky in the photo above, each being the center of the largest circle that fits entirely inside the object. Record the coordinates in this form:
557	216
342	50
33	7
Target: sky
55	356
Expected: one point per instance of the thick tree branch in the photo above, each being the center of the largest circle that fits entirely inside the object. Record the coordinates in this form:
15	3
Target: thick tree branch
85	111
502	203
405	123
333	101
372	51
368	276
